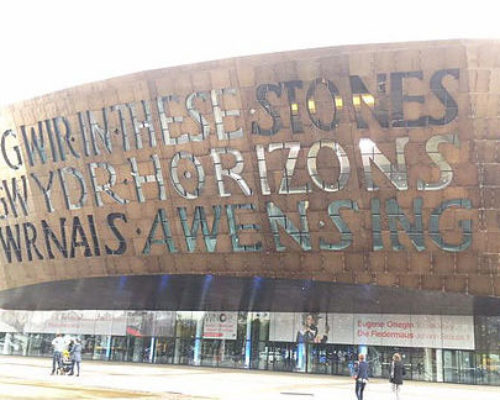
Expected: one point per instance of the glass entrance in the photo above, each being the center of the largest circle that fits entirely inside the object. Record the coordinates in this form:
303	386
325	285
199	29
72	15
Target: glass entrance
458	366
319	358
281	356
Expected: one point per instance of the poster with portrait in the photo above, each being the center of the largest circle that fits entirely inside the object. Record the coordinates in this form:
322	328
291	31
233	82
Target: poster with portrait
220	325
308	327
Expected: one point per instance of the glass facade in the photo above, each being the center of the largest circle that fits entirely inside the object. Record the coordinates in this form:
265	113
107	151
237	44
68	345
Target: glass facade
242	340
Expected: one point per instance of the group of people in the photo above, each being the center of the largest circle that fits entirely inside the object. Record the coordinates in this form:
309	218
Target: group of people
66	349
397	371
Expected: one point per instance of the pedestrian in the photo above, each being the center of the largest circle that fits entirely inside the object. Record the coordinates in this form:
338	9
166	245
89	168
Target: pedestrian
396	374
58	346
361	376
76	357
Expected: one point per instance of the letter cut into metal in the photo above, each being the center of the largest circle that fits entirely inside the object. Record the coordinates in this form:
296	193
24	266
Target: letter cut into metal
165	121
377	105
122	242
160	218
312	103
7	153
11	245
277	218
81	183
36	145
220	114
466	226
45	189
345	233
157	177
432	149
261	94
286	181
414	231
199	218
395	173
105	187
197	117
50	237
233	173
234	228
96	131
377	243
262	166
147	123
342	158
174	175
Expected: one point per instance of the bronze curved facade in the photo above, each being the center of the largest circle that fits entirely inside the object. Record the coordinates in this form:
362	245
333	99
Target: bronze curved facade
370	164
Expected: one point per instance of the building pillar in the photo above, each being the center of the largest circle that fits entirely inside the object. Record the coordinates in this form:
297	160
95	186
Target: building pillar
428	370
177	351
108	348
301	357
197	340
439	365
6	343
152	349
248	341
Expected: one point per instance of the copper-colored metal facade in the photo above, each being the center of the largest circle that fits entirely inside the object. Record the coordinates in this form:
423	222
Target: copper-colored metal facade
176	136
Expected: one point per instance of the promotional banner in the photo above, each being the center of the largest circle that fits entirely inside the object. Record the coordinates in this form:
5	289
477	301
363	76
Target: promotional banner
299	327
220	325
432	331
78	322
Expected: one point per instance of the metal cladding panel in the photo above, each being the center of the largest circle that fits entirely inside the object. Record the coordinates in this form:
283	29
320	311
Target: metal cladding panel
368	165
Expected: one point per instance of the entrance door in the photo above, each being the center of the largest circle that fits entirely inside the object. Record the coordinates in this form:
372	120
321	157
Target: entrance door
319	358
466	367
458	366
281	356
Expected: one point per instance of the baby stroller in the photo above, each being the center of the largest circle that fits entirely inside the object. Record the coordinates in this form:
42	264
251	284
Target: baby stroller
66	363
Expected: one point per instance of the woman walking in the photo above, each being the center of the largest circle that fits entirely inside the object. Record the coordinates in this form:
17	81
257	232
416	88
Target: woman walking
361	376
396	374
76	357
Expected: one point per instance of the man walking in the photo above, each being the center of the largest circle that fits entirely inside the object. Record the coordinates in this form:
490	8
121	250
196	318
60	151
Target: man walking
58	345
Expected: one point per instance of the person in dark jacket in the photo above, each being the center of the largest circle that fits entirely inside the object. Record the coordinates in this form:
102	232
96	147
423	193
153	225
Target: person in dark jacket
76	357
396	374
361	376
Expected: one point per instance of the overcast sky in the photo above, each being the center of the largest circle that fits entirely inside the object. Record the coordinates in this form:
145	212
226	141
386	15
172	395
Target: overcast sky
49	45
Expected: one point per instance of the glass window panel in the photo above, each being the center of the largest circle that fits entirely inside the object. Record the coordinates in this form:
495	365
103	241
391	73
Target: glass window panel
164	324
184	351
101	348
165	348
118	348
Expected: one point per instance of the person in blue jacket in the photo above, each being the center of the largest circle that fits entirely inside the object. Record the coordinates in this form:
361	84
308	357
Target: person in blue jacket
76	357
361	376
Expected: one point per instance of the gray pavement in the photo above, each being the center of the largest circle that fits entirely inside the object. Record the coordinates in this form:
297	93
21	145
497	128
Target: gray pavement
29	378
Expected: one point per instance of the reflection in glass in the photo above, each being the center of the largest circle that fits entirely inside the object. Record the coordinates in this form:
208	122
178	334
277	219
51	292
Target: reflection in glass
262	340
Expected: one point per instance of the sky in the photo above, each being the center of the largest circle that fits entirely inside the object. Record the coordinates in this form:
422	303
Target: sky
48	45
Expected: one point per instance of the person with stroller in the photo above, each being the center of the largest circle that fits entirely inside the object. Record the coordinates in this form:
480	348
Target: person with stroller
76	357
58	345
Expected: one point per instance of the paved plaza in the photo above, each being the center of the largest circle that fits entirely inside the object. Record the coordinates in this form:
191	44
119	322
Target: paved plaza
29	378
